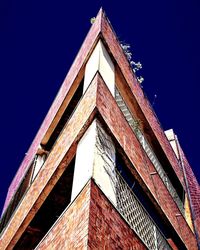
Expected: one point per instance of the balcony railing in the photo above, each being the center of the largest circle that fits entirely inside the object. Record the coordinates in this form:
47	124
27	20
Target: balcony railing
137	217
147	148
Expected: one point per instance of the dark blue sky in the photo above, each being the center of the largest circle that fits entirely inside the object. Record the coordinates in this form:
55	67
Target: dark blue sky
40	39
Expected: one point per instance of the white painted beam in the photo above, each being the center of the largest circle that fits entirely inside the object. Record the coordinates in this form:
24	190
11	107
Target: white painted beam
172	139
95	157
84	160
38	162
100	61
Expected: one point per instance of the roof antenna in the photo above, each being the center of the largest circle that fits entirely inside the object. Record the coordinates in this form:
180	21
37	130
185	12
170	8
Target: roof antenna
154	100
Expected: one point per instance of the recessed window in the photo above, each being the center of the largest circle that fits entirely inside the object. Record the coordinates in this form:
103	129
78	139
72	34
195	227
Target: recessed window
25	183
56	202
65	117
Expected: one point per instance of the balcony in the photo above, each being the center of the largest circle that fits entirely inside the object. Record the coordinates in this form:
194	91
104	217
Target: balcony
147	148
137	217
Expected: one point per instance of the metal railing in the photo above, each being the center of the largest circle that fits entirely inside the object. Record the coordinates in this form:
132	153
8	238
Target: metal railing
147	148
137	217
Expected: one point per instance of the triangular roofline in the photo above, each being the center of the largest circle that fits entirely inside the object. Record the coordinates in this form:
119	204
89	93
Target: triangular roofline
125	78
101	29
59	104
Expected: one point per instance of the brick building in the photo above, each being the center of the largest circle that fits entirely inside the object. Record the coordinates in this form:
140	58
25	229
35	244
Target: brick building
101	173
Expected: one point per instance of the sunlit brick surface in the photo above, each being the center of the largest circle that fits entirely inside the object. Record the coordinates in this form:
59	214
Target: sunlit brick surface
52	169
106	228
73	73
71	230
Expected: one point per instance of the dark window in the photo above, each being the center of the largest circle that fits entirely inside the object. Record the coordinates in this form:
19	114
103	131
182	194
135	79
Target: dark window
65	117
143	198
24	185
50	211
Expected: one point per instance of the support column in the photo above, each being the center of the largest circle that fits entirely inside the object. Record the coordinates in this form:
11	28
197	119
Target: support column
38	162
100	61
104	165
84	160
95	158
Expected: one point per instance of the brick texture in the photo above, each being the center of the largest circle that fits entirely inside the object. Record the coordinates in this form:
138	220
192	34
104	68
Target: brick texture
194	190
71	230
52	169
95	100
142	166
91	222
73	73
107	229
138	95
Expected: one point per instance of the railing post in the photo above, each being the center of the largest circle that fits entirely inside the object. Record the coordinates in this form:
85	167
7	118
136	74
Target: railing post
137	217
155	237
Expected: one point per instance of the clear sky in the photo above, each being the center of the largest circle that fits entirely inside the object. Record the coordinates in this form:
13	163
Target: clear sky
39	40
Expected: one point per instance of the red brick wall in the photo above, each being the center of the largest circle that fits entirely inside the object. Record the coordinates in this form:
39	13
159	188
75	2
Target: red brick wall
194	191
91	222
174	215
53	167
107	229
75	69
141	163
120	129
71	230
138	95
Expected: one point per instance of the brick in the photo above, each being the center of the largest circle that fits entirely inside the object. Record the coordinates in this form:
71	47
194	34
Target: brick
111	231
91	222
71	77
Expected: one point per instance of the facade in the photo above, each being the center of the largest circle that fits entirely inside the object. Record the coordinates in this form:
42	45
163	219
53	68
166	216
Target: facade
101	173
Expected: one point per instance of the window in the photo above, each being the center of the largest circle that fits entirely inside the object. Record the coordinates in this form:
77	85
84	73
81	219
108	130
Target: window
25	183
56	202
65	117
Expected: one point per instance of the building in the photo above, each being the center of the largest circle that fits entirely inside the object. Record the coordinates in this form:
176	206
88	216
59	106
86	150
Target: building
101	173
